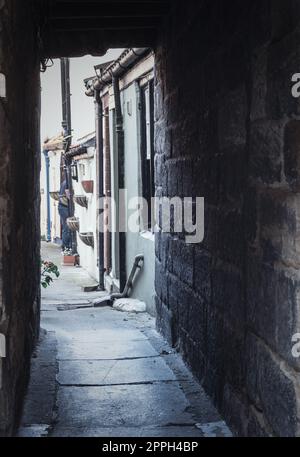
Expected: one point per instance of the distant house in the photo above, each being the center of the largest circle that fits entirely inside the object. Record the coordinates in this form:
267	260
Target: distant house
84	173
128	163
51	175
118	156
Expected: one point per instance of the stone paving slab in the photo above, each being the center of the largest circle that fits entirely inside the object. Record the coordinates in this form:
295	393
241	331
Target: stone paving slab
39	405
128	405
105	350
106	372
127	432
100	372
34	431
104	335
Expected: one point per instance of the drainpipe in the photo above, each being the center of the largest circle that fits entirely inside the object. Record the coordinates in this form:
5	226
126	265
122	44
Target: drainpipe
117	68
111	75
107	192
67	126
121	159
99	153
47	163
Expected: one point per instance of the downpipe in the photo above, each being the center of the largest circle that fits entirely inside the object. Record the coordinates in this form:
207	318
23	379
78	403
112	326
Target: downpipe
99	152
129	283
108	299
47	164
121	163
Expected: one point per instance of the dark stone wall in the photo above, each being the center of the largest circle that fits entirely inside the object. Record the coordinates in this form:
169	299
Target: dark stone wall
228	129
19	202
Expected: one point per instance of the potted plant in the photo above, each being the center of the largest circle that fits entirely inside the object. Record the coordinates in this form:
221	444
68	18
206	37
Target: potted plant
81	200
73	223
48	271
54	195
87	238
70	259
88	186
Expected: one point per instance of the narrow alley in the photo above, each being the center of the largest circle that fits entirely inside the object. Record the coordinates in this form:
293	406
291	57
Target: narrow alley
151	150
101	372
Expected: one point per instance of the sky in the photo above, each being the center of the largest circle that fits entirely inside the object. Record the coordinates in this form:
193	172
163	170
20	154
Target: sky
83	119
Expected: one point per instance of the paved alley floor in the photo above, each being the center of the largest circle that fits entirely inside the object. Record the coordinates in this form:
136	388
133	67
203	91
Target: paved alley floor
105	373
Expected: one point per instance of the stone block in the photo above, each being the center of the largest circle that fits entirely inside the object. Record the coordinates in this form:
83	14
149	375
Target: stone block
202	274
272	385
272	310
174	178
230	237
266	151
231	171
283	62
161	276
182	256
259	85
165	322
232	118
198	322
292	154
163	139
235	407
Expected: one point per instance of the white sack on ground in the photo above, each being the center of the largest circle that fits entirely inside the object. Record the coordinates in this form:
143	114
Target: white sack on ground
130	305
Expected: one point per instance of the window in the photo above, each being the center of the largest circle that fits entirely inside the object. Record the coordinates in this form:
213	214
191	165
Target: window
147	145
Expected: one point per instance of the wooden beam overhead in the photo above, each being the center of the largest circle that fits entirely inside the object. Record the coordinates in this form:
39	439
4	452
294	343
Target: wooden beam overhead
99	2
103	24
109	10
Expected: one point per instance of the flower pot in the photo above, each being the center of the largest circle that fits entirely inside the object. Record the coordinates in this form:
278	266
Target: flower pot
87	238
70	260
54	195
88	186
81	200
73	224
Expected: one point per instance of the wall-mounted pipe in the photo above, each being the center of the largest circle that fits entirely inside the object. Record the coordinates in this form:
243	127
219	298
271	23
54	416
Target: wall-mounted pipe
116	69
108	299
67	126
107	192
47	164
129	283
99	153
121	165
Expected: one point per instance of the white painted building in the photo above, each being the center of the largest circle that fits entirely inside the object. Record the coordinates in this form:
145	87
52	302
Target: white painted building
51	166
136	93
85	197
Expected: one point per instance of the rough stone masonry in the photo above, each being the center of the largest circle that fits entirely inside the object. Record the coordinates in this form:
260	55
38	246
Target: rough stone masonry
19	202
227	129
